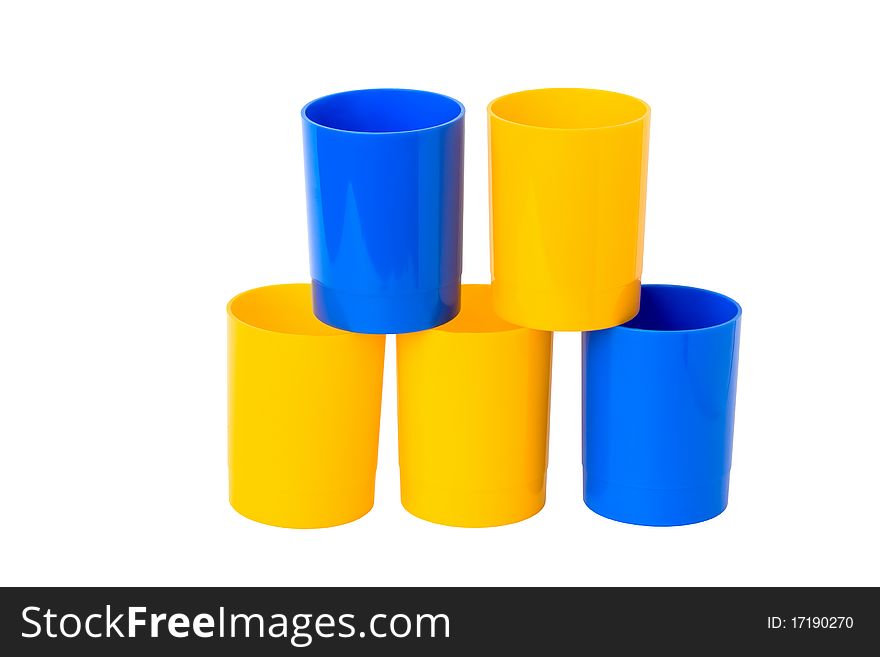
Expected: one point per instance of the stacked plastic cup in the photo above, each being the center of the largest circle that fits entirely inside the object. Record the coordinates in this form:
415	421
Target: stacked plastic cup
568	172
473	400
659	395
304	402
384	182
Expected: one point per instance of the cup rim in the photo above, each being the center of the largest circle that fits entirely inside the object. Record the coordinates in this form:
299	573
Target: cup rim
644	115
420	92
463	316
323	331
730	320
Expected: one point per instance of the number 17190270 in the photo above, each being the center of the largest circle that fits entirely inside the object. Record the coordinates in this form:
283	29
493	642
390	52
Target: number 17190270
810	623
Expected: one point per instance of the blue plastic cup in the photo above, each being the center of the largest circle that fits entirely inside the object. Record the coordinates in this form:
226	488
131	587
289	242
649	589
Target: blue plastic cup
659	395
384	181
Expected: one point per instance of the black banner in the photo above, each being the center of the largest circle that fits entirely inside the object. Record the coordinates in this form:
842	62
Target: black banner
437	621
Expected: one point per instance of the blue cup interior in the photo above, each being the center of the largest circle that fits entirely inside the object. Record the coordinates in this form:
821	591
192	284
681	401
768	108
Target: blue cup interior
679	308
383	110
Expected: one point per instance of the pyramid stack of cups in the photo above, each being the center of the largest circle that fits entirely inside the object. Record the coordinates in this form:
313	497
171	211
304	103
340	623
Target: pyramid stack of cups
384	181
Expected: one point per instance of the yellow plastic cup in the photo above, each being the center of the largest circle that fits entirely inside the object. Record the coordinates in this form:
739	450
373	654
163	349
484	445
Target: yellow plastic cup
473	399
568	172
304	402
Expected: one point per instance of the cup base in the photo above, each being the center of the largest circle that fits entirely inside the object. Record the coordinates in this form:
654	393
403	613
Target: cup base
656	507
346	506
566	309
385	313
472	508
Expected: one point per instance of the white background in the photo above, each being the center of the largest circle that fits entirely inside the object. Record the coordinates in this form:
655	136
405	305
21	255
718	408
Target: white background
151	168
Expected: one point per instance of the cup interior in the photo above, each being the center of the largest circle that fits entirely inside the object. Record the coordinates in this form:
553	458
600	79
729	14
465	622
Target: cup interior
280	309
383	110
679	308
476	314
569	109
